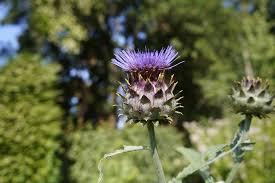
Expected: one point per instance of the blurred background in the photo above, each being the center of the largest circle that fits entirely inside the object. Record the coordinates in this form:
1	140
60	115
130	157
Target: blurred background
57	85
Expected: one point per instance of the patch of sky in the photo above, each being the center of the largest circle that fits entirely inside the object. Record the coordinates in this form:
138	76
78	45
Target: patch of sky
73	105
83	74
117	27
228	3
74	101
238	6
9	34
142	36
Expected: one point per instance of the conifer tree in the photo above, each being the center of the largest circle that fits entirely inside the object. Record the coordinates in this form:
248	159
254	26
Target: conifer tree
30	121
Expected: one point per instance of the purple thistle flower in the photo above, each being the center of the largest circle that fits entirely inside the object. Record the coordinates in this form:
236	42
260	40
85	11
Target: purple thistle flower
148	97
135	61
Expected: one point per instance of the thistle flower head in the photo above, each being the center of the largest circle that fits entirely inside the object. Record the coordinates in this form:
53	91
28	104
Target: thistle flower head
251	97
148	97
141	61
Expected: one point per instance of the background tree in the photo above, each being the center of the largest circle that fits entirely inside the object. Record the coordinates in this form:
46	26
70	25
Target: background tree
79	35
82	35
220	40
29	139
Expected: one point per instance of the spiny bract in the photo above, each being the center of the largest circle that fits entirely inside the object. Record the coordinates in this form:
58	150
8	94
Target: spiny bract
251	97
148	100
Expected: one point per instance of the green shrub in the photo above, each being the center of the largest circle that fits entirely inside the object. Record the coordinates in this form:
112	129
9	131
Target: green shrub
89	146
258	164
29	122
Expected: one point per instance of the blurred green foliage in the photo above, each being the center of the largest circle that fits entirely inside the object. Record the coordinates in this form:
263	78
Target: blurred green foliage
29	121
88	146
258	164
221	40
219	44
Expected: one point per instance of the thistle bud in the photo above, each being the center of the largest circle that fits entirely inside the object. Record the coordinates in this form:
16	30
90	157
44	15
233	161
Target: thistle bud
148	97
251	97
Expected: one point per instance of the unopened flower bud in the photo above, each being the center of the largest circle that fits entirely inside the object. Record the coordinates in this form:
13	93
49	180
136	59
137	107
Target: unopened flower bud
251	97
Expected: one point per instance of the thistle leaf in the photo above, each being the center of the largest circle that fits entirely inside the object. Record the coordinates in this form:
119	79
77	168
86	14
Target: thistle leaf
114	153
195	158
247	145
214	151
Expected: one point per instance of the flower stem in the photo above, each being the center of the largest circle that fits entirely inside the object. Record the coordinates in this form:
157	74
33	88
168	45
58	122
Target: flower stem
154	152
244	128
206	177
233	172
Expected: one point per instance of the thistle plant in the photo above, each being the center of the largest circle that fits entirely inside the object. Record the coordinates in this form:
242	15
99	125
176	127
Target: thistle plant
149	99
251	98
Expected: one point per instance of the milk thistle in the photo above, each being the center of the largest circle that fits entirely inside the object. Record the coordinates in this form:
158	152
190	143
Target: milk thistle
148	98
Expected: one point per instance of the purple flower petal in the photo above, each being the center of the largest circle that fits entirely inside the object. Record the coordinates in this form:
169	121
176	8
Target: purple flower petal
130	60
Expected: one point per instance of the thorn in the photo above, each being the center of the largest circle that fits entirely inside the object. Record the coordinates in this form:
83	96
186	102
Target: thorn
120	115
178	94
178	112
171	88
161	76
179	107
170	120
178	99
127	81
171	79
140	78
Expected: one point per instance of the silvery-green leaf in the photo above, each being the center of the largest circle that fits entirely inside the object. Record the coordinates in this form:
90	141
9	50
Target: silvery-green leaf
195	158
214	151
206	176
197	163
114	153
247	145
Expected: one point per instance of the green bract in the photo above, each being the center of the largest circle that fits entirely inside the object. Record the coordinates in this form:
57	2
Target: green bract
149	100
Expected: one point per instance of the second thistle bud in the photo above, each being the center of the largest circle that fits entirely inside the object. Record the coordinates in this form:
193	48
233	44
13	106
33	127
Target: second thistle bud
251	97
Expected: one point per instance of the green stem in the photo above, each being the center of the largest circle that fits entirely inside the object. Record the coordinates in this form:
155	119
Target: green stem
206	177
244	128
154	152
233	172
